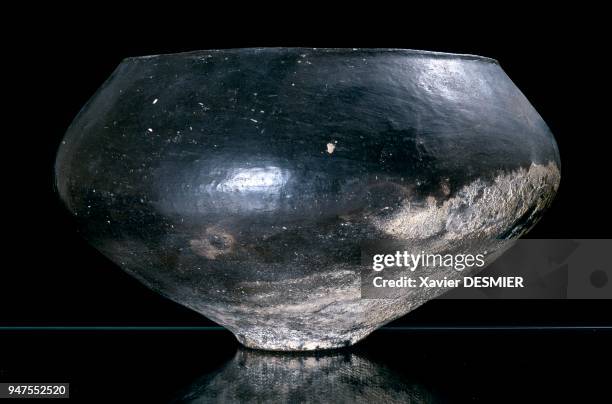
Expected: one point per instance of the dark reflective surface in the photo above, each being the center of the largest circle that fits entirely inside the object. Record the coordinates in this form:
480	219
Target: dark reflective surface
389	366
336	377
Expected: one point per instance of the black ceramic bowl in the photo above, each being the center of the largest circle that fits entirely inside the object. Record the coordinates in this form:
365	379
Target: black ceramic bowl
242	183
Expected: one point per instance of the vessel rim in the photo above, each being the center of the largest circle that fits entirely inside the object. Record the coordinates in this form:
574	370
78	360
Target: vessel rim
406	52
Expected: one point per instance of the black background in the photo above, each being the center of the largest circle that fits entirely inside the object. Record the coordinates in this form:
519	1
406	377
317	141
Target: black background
50	276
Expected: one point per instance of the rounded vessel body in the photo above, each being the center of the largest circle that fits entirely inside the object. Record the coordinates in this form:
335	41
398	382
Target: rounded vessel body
242	183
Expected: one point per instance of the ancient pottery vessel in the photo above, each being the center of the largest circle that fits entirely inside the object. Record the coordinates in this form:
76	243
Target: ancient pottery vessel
241	183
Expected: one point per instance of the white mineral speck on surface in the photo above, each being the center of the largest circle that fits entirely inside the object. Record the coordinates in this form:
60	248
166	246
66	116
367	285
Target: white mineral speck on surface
155	101
331	147
150	130
254	120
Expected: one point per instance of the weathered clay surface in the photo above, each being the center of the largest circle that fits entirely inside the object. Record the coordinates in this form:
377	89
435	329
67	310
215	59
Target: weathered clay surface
241	183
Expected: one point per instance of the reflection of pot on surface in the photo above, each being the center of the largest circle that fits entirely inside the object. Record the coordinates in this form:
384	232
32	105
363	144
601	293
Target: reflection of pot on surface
241	183
341	377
